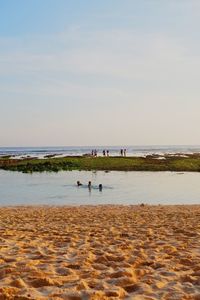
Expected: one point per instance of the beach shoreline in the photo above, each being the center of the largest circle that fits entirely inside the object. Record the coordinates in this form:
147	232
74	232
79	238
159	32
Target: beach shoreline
100	252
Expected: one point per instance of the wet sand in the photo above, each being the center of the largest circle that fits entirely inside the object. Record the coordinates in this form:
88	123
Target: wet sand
100	252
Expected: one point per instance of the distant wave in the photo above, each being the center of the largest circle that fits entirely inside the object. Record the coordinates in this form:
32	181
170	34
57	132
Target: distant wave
113	150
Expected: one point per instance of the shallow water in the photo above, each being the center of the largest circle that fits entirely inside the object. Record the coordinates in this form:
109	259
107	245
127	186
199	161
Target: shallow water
118	188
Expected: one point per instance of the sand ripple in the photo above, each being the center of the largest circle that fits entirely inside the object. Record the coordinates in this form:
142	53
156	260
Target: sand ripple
100	252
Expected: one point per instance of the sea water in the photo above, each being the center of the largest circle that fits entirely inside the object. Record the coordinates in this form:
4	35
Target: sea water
118	188
41	152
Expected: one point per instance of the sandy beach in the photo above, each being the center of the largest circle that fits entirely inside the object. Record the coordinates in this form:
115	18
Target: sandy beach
100	252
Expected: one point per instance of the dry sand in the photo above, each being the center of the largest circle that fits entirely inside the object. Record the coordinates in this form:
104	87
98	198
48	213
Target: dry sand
100	252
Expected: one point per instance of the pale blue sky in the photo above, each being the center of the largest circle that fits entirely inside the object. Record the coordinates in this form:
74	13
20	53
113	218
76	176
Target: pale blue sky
99	72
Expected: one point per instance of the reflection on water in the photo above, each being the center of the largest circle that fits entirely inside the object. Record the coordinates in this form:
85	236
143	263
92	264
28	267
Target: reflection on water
118	188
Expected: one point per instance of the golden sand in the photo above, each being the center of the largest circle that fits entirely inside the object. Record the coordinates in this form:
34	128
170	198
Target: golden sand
100	252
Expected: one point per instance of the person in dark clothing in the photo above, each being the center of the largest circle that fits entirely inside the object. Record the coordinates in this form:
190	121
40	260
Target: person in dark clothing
89	184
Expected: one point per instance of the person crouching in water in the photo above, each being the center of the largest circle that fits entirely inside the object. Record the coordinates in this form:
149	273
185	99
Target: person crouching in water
78	183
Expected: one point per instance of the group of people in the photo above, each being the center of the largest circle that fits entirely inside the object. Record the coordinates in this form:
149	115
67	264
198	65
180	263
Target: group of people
94	153
107	152
90	185
123	152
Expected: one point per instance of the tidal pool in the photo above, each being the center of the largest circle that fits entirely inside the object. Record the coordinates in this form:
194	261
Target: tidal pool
118	188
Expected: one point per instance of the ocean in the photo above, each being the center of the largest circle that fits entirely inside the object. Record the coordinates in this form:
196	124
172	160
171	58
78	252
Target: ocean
41	152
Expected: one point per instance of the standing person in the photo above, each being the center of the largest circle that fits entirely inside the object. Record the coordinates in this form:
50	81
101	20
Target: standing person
121	152
107	152
95	153
92	153
89	186
124	152
104	152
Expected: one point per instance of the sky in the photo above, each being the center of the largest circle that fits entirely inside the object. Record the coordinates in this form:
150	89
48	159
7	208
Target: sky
106	72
